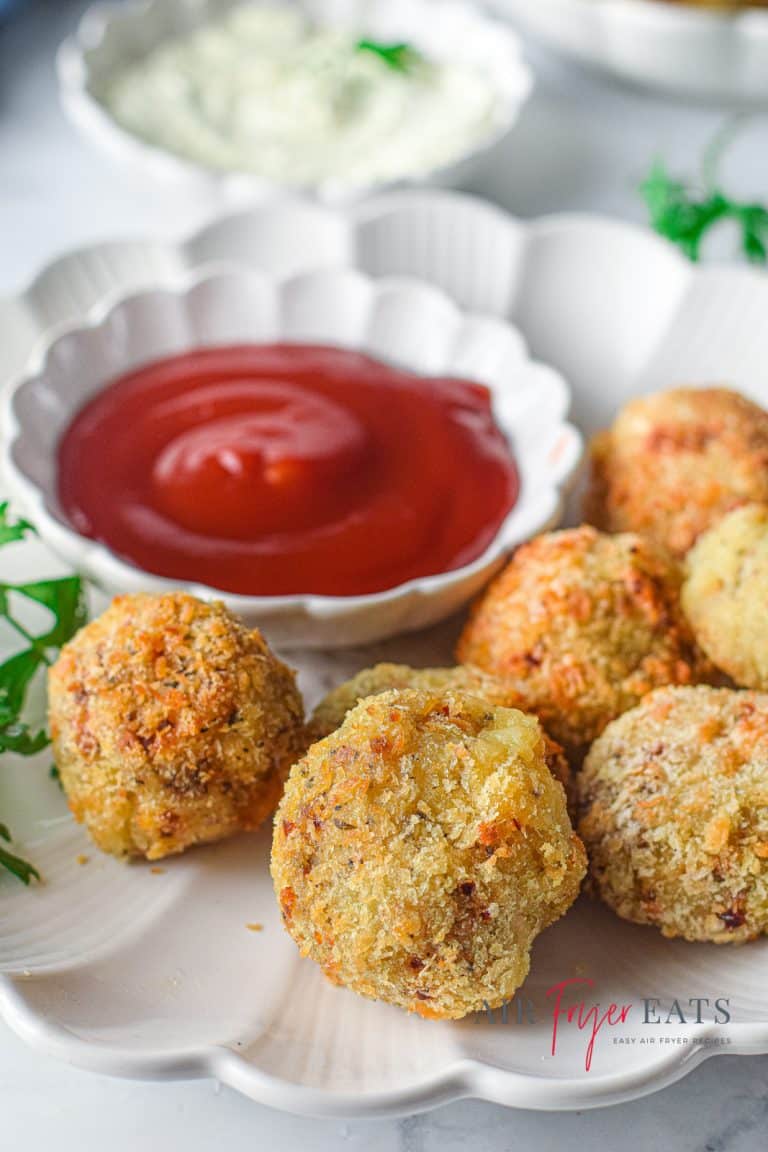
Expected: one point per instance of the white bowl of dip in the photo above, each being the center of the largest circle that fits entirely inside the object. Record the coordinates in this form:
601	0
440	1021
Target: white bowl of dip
329	97
713	51
404	322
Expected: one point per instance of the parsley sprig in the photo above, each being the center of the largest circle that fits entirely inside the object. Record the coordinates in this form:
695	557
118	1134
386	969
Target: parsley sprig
686	213
65	601
399	57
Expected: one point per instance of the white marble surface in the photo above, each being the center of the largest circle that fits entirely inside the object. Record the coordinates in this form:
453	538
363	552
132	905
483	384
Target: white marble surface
583	143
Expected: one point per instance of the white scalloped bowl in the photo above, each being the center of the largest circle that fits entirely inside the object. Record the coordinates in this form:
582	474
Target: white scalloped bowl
111	35
676	47
403	321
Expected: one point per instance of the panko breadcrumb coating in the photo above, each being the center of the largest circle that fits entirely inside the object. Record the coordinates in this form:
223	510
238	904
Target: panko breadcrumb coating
674	797
421	847
582	625
330	712
172	725
725	595
674	463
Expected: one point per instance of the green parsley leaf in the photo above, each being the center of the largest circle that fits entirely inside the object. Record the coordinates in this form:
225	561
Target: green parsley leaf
65	600
11	530
15	864
678	214
754	225
20	739
15	676
25	871
685	214
398	57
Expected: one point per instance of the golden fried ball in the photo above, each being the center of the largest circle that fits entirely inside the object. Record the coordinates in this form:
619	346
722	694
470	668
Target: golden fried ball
674	463
330	712
725	595
582	625
172	725
421	847
674	797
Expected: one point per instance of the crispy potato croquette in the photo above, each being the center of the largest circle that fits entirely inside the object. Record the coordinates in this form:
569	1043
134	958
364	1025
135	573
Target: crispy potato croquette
674	799
172	725
582	625
674	463
330	712
725	595
332	709
420	848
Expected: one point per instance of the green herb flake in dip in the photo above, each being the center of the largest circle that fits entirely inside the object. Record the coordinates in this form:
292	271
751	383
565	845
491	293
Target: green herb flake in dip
263	91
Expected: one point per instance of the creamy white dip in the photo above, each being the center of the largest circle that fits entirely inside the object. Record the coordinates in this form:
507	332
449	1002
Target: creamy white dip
262	91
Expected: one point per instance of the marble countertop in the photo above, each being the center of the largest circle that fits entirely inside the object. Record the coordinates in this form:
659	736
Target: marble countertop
583	143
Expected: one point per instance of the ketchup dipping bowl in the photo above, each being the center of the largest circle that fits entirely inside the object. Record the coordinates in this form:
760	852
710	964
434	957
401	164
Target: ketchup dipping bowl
464	385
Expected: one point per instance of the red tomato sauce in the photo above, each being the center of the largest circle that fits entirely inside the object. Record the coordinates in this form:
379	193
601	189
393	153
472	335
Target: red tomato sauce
287	468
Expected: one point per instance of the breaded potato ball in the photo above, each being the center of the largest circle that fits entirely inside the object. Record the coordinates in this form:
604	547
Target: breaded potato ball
725	594
172	725
330	712
674	463
420	848
582	625
674	799
332	709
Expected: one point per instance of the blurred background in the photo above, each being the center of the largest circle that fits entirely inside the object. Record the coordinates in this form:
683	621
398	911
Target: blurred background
585	141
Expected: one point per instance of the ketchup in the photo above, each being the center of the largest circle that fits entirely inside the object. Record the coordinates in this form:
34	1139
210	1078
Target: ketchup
287	468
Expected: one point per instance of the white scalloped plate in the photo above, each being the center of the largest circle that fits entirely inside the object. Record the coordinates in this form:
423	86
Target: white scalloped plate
155	975
677	47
